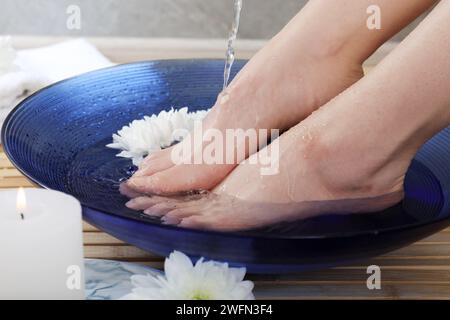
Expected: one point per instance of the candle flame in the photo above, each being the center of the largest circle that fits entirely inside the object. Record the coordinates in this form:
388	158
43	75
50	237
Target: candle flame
21	201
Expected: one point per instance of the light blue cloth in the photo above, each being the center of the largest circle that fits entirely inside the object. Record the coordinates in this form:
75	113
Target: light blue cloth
110	280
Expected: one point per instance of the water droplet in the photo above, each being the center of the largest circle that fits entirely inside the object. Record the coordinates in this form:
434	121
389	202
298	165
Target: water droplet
223	188
310	137
225	96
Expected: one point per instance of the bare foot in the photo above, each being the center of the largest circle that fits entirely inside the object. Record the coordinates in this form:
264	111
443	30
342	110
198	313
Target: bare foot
320	171
278	88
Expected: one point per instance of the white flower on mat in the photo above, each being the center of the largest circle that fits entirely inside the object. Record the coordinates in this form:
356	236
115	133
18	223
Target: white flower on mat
208	280
153	133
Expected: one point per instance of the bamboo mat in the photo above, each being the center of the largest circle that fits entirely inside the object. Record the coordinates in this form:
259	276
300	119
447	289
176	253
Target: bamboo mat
419	271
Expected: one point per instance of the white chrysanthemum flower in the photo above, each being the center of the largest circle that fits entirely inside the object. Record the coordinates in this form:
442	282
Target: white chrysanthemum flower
208	280
152	133
7	55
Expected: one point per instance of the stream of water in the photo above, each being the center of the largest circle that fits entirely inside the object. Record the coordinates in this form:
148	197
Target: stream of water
230	46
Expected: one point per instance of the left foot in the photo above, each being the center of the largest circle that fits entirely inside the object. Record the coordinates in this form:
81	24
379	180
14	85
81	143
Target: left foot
279	87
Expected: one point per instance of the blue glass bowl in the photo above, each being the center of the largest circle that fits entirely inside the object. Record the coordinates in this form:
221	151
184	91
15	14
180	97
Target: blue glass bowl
57	138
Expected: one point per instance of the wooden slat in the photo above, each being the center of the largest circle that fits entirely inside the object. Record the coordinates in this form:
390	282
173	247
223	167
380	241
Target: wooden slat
353	291
15	182
439	274
421	250
152	264
89	228
10	177
118	252
9	173
4	163
100	238
137	49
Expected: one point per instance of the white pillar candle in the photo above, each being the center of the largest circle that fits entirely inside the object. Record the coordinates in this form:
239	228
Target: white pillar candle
41	247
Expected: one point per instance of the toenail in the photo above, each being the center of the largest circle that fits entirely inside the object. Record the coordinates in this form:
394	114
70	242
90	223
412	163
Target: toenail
148	211
136	182
131	182
138	173
164	221
170	220
130	203
185	223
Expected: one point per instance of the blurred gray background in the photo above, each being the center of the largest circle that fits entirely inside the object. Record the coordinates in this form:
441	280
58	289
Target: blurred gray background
261	19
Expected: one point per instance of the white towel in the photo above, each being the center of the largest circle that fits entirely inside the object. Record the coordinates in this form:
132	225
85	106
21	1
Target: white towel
26	71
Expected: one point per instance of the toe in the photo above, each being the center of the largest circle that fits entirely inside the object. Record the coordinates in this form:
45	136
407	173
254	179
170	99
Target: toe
215	222
154	163
196	222
155	155
141	203
179	178
160	209
128	192
180	213
154	167
144	202
208	222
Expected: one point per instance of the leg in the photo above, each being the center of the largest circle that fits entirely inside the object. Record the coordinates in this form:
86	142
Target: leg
315	57
361	144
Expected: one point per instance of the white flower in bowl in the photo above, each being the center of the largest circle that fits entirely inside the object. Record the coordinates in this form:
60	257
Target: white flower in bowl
208	280
152	133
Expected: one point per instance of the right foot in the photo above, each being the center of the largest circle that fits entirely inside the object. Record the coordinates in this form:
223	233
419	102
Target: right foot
277	89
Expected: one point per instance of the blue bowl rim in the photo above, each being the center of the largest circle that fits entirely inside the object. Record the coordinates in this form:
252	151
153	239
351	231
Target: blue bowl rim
248	235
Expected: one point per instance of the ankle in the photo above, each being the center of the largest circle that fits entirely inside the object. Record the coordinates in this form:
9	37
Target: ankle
345	168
